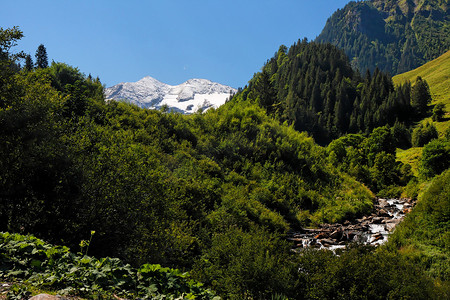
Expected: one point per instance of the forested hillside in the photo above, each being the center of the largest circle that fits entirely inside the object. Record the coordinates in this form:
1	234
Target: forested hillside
394	35
313	87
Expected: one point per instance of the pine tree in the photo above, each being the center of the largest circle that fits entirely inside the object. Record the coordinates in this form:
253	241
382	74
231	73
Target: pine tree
29	63
420	96
41	57
265	91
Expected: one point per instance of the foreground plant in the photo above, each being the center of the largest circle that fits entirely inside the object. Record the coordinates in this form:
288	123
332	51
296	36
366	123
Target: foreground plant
31	261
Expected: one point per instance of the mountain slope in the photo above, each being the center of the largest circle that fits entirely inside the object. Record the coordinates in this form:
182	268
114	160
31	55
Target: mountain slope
436	73
187	97
393	35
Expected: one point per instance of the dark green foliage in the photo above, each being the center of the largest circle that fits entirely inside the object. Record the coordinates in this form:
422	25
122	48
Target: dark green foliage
401	135
56	268
362	273
8	39
438	112
394	36
241	264
313	87
420	96
29	65
41	57
370	159
435	158
423	134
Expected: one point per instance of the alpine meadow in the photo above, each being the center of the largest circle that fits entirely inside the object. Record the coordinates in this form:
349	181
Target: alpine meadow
322	178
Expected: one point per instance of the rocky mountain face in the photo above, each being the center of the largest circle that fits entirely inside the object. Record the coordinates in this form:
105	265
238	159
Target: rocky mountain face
187	97
394	35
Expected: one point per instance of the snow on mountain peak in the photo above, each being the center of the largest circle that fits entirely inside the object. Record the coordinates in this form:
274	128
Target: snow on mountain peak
187	97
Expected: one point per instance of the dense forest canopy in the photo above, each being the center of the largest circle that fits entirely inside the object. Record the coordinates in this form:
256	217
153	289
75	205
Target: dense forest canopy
393	35
313	87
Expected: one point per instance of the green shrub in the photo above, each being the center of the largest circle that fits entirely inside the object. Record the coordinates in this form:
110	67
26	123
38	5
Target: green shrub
251	265
435	158
423	134
360	272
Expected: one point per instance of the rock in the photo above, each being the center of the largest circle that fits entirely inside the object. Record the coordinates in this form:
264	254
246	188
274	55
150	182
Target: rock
330	235
328	241
377	237
295	239
393	221
382	202
383	213
390	226
47	297
337	234
406	210
349	235
377	220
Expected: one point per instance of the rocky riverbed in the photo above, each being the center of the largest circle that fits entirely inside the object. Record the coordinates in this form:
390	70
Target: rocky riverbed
373	229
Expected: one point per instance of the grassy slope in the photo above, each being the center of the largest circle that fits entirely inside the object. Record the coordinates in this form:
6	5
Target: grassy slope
437	74
410	156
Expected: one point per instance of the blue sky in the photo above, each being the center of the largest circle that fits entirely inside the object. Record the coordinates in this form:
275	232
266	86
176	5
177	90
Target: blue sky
170	40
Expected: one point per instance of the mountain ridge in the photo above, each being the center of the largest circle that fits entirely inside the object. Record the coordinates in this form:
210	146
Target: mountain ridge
188	97
394	35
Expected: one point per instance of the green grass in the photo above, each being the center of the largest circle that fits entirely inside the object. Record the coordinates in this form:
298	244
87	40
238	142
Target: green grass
410	156
437	74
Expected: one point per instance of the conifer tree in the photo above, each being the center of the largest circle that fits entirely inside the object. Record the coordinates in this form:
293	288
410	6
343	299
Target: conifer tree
28	63
265	91
41	57
420	96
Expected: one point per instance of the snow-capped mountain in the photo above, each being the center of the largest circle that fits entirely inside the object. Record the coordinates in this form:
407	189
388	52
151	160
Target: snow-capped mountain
187	97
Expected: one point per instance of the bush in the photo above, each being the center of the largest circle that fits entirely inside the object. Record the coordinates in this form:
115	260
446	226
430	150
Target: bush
438	112
360	272
435	158
247	265
423	134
